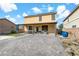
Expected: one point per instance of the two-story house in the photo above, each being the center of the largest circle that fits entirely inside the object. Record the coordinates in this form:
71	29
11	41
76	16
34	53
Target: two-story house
40	22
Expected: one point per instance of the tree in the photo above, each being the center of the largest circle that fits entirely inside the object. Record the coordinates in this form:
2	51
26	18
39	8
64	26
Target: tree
60	27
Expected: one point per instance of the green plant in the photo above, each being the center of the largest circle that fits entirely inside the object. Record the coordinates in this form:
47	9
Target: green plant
60	27
13	32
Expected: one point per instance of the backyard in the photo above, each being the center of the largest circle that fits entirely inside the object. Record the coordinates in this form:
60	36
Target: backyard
32	45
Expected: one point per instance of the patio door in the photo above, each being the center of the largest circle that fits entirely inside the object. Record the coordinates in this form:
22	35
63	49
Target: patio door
37	29
45	28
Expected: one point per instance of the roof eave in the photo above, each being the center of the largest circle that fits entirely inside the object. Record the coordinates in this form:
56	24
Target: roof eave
71	13
41	14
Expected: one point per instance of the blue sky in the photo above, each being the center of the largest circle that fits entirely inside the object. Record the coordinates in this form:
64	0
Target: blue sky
15	12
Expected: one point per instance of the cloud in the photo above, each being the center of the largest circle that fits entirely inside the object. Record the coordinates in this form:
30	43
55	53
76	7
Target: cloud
77	3
36	10
18	16
60	9
24	14
50	8
8	7
62	13
44	6
11	18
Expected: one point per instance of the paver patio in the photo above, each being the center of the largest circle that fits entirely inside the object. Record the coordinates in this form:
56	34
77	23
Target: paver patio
32	45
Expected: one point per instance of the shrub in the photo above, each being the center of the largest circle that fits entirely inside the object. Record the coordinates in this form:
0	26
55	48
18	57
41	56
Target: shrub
13	32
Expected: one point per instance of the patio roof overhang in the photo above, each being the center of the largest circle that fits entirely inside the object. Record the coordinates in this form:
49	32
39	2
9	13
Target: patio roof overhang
41	23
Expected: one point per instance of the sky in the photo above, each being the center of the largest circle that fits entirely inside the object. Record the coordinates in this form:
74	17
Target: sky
16	12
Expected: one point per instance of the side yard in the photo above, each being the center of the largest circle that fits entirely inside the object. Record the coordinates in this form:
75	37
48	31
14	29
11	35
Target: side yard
71	43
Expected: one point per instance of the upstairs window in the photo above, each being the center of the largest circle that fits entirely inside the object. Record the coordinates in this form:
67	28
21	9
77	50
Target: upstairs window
74	26
40	18
52	17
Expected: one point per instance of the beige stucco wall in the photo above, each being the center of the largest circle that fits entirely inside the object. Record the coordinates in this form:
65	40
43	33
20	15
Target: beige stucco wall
35	19
72	20
52	28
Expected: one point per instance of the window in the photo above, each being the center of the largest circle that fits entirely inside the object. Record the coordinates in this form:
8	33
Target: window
40	18
52	17
29	27
68	20
74	26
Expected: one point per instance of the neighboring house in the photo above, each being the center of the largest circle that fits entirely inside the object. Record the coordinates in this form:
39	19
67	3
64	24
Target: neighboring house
41	22
71	23
6	26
